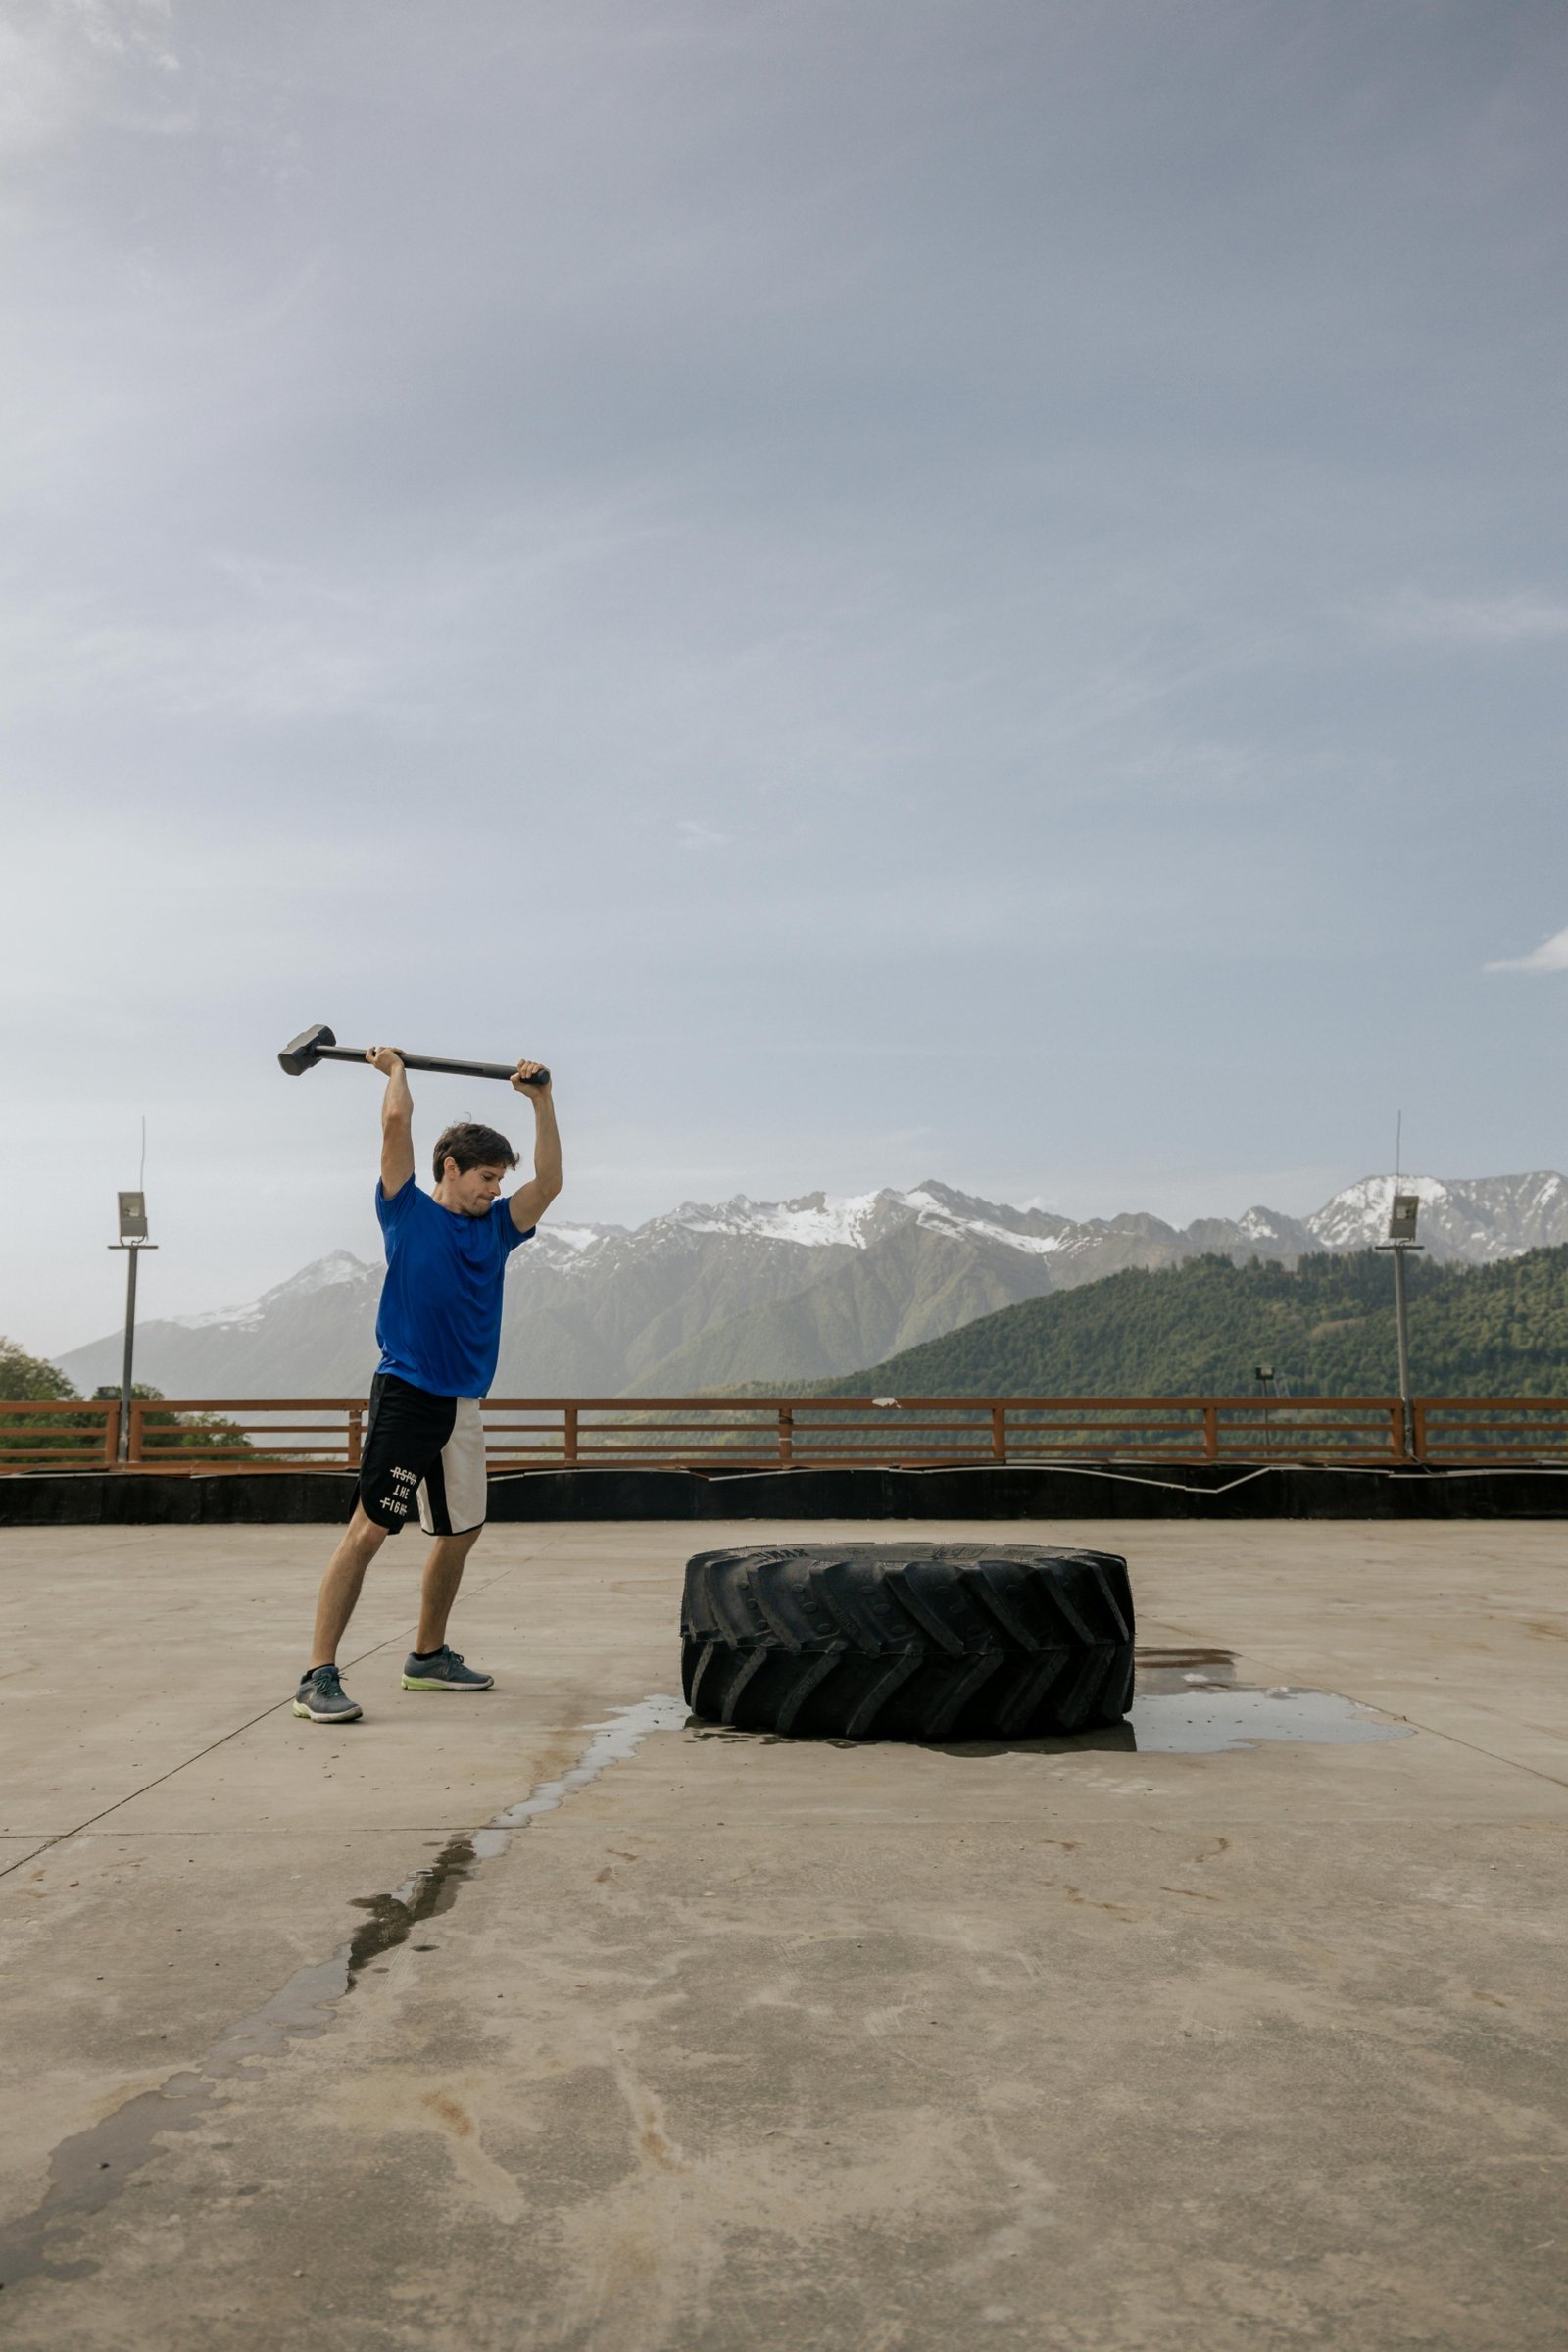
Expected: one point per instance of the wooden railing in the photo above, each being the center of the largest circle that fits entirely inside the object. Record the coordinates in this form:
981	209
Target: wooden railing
720	1435
58	1437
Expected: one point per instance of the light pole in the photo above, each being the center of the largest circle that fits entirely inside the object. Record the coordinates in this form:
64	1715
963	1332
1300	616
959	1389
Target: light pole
132	1240
1264	1375
1401	1238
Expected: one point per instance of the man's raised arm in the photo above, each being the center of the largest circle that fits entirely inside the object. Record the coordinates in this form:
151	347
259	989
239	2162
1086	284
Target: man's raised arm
530	1200
397	1121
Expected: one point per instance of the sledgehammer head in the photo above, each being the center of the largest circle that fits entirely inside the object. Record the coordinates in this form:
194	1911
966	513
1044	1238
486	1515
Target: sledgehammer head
303	1051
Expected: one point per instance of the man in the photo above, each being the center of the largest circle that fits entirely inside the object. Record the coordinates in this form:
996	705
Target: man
439	1332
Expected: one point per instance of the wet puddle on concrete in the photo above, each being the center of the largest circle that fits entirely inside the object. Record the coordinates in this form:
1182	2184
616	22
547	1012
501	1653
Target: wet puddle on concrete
612	1743
1187	1702
94	2166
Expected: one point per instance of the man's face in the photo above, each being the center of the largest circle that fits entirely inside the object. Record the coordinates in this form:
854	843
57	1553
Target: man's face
474	1192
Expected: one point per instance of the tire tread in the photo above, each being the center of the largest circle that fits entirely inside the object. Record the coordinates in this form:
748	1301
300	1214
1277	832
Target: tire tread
915	1642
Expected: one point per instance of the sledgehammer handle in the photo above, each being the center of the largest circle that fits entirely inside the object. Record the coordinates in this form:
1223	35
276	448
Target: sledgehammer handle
434	1062
460	1069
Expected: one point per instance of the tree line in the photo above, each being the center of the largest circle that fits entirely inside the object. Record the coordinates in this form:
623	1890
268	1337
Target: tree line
1326	1326
32	1380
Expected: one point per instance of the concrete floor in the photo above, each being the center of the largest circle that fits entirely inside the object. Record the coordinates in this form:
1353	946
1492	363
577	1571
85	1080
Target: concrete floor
776	2044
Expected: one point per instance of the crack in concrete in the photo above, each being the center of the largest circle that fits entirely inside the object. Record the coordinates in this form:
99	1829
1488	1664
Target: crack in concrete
91	2168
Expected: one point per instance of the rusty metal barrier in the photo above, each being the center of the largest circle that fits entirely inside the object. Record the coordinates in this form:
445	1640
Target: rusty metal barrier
719	1433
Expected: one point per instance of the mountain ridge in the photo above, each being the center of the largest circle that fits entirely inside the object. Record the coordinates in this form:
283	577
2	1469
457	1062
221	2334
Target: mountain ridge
712	1295
1325	1327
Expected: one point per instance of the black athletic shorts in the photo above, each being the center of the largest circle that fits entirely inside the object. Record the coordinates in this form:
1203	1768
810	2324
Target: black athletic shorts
424	1448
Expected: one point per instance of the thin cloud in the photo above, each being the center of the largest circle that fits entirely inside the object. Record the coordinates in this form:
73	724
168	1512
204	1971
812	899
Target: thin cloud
61	65
1521	618
1551	956
120	28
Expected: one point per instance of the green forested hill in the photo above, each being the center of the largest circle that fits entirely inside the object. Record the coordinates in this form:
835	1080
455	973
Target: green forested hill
1198	1330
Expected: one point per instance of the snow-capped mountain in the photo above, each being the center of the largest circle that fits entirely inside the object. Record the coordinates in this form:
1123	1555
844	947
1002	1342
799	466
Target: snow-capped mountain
1475	1219
322	1275
710	1295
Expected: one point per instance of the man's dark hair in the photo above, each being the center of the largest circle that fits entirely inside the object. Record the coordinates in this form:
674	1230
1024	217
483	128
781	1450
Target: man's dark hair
472	1146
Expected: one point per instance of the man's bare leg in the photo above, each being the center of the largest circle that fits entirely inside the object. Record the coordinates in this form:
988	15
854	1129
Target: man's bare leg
443	1574
362	1540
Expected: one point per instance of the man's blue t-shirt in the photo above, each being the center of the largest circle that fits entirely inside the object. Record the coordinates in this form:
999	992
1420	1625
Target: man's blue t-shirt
439	1321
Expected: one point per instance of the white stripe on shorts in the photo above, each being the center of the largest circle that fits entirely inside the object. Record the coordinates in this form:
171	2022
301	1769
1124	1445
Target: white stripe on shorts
458	1504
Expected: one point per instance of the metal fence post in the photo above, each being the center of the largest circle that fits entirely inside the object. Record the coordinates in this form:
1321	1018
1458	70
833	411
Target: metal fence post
998	1433
786	1433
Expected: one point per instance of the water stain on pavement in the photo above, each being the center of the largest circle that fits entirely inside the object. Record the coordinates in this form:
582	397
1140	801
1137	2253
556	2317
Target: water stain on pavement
393	1916
612	1743
1186	1702
92	2167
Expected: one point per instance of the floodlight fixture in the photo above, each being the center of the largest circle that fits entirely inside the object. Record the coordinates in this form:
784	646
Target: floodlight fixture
1402	1214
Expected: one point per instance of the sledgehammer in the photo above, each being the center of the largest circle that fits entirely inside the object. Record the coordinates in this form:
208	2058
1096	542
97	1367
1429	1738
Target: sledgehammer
312	1046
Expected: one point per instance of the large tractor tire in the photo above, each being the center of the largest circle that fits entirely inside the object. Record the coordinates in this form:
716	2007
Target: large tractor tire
908	1641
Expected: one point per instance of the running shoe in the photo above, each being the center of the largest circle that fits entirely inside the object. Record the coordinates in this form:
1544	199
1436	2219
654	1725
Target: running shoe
444	1670
321	1698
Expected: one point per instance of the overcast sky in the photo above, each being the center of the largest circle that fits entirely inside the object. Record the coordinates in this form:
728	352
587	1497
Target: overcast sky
969	588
